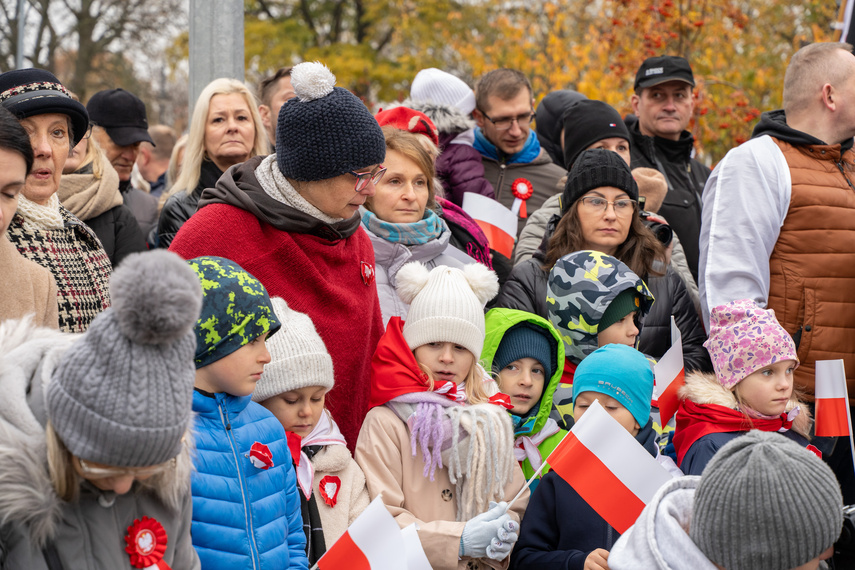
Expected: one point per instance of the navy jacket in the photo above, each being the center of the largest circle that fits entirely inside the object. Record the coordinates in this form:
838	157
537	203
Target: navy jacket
702	451
560	529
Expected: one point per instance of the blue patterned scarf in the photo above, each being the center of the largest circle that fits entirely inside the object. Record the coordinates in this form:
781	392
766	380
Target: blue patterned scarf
529	152
429	228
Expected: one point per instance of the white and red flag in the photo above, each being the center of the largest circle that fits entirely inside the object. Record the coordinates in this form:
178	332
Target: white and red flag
498	223
670	375
615	475
832	400
372	542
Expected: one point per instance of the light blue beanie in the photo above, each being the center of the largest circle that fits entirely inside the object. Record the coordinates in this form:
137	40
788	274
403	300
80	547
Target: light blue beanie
621	372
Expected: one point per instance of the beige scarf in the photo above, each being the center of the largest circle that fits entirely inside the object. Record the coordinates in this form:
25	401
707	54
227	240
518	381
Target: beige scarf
88	197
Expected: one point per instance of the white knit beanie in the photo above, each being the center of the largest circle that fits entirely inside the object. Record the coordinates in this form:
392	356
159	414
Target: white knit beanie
298	356
437	86
446	304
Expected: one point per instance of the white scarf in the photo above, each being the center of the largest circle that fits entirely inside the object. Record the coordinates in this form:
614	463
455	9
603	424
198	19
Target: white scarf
277	187
38	217
326	432
525	447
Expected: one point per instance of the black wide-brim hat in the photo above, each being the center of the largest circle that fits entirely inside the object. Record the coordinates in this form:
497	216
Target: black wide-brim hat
29	92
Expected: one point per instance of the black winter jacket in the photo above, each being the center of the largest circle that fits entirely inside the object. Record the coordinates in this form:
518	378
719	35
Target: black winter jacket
686	178
119	232
525	290
179	207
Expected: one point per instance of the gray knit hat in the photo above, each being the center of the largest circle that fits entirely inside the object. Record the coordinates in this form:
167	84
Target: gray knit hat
325	131
765	503
299	357
122	394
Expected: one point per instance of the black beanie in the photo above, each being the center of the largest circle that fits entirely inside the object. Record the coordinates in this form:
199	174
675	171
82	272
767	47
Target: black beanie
588	122
594	169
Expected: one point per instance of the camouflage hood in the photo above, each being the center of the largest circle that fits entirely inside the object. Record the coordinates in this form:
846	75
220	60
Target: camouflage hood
580	288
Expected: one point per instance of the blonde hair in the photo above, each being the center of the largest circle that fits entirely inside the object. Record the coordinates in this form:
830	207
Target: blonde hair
188	178
809	69
64	479
93	149
474	382
420	150
801	425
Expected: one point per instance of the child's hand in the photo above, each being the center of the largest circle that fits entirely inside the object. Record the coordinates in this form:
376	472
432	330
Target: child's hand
596	560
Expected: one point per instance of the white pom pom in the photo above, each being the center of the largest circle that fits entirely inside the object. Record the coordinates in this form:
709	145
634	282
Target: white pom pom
411	279
312	80
484	282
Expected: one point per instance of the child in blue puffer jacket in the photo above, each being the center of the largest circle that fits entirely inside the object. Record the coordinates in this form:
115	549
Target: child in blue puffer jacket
246	511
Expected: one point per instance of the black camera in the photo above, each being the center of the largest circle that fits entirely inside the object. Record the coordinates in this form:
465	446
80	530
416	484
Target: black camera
844	548
663	232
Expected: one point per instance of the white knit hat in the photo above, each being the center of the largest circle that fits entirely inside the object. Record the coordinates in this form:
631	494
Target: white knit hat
437	86
446	304
299	357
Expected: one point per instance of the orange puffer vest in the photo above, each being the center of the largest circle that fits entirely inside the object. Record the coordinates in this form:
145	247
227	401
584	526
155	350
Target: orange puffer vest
812	267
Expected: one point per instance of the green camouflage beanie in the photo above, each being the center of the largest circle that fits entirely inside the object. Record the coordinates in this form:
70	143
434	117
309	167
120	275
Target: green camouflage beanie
236	309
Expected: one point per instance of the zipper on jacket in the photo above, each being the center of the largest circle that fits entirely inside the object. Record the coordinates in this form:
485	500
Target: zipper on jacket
843	172
243	492
502	168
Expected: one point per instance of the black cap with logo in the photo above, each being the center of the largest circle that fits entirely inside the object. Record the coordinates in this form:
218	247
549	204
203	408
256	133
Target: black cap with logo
656	70
122	114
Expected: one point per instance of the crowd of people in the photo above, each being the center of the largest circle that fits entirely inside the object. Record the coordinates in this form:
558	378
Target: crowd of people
217	349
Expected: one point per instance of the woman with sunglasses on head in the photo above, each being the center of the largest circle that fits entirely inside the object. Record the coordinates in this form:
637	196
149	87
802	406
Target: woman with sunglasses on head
292	220
600	213
401	219
42	229
95	463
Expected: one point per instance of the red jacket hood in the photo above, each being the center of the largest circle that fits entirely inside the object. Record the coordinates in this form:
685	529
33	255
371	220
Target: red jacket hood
394	370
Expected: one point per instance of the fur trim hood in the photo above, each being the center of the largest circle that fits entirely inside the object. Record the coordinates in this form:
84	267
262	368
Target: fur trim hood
447	119
704	388
28	357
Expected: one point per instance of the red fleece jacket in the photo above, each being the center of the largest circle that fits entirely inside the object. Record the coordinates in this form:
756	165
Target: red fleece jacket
321	278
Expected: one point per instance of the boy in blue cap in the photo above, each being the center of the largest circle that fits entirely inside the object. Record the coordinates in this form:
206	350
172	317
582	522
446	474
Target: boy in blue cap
560	530
246	511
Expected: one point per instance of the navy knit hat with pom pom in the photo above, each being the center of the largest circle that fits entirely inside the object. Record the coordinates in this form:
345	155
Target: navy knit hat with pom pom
122	394
325	131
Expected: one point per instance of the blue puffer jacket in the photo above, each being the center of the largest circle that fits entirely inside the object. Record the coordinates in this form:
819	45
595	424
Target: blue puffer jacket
244	517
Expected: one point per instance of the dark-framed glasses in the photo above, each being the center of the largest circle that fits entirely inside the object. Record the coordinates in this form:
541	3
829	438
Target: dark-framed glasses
363	178
623	207
504	123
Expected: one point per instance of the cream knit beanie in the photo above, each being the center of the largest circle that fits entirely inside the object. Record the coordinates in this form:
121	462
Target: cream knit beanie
433	85
446	304
298	356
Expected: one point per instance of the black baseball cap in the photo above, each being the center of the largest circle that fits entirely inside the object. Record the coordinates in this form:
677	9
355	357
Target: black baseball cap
121	114
656	70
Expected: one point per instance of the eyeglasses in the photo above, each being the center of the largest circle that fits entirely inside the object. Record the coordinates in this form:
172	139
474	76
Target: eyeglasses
505	123
363	178
623	207
91	472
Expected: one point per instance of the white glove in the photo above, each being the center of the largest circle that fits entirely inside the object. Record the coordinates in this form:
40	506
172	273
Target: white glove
482	529
502	543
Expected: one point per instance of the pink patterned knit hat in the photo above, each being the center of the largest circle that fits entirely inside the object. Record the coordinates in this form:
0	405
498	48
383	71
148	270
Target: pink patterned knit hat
745	338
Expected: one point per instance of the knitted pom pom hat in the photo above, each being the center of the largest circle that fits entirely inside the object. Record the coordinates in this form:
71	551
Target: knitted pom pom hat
325	131
446	304
437	86
765	501
122	394
298	356
744	338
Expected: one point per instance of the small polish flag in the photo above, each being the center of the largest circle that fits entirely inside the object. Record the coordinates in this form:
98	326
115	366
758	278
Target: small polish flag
498	223
615	475
832	399
670	375
416	557
372	542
